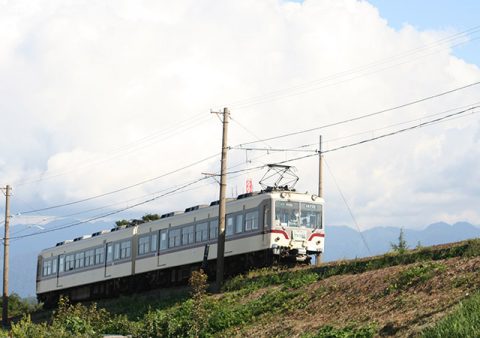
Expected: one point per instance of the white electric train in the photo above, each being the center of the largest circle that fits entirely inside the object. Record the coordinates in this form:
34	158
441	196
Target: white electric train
260	227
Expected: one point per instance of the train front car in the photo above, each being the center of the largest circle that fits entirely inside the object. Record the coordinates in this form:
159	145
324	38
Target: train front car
297	228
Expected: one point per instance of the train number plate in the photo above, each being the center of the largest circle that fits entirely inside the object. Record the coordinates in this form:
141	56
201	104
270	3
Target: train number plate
299	235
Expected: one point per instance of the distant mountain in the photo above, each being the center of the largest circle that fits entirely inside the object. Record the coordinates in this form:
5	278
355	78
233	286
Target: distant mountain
345	242
341	242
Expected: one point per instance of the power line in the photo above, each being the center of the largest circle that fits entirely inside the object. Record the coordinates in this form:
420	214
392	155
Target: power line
424	124
303	88
402	130
363	116
120	189
120	152
370	131
110	213
177	190
252	169
348	207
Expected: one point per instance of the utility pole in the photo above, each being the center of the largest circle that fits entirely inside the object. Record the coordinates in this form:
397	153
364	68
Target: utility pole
6	244
222	203
318	256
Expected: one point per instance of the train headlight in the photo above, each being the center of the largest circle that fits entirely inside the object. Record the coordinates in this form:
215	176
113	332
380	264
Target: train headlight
318	242
277	239
314	197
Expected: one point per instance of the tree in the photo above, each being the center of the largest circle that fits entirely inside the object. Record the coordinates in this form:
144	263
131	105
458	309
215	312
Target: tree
150	217
122	222
401	246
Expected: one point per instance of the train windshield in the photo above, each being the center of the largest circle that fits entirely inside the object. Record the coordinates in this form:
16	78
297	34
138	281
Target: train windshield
295	214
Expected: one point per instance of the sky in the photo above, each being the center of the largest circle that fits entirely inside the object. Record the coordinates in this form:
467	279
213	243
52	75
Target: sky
105	105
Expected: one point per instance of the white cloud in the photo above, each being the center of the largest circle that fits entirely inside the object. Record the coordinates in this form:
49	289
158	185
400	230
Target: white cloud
82	81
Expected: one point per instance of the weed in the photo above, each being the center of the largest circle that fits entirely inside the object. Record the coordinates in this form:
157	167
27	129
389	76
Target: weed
415	275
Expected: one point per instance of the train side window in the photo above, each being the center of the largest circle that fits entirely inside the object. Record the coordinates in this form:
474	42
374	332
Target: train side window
214	228
89	257
229	227
143	245
99	256
109	252
174	238
251	221
116	251
153	244
163	239
61	264
69	262
47	267
201	233
187	235
125	249
239	224
79	259
54	266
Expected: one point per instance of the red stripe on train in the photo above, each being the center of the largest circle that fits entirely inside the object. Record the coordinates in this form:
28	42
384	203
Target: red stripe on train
316	235
273	231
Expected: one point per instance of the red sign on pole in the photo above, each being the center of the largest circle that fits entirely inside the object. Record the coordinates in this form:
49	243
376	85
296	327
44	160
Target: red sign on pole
249	185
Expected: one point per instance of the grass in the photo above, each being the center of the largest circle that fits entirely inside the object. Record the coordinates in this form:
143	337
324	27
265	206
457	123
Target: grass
270	276
464	321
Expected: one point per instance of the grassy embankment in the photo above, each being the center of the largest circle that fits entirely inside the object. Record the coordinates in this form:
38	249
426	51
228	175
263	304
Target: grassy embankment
427	292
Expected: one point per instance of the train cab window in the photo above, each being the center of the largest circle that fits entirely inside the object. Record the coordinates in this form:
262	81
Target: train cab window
214	229
99	255
187	235
79	259
251	221
287	213
229	226
143	245
89	257
311	215
125	249
174	238
109	252
201	232
239	224
153	243
69	262
163	239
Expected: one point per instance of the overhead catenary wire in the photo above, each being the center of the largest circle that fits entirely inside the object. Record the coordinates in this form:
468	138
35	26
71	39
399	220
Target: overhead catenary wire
169	193
420	125
301	148
251	169
120	189
110	213
363	116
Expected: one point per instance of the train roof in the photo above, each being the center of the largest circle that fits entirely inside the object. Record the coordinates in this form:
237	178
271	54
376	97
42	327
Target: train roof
135	222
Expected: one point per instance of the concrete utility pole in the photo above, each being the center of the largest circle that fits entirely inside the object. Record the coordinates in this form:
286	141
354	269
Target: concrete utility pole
318	257
222	203
6	244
